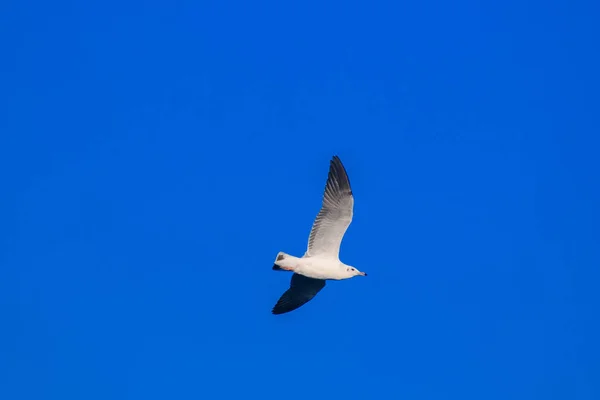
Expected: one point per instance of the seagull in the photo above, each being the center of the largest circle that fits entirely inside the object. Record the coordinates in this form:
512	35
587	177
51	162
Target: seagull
320	262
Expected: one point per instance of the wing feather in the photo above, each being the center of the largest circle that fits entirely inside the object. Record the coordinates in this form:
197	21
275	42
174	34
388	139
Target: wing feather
335	215
302	290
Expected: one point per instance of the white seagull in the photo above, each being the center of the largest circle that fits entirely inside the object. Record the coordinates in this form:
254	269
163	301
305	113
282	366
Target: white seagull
321	261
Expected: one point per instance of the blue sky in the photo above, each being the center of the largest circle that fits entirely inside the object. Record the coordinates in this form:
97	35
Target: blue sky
156	156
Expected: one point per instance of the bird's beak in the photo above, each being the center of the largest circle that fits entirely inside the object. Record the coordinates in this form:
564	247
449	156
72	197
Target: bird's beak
363	274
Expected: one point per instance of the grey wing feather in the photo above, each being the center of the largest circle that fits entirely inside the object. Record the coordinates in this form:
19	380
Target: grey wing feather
335	215
302	290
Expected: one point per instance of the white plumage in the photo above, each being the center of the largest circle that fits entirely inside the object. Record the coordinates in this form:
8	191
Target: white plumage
321	260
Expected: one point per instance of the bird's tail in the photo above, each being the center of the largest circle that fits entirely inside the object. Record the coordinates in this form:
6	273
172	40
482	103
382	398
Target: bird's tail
284	262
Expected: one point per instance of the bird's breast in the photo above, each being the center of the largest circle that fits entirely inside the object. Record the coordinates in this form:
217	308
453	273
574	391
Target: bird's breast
319	268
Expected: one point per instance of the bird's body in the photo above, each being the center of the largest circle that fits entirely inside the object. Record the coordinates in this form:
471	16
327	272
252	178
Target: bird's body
316	267
321	261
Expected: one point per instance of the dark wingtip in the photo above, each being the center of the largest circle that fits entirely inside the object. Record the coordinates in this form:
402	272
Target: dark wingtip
302	290
279	309
339	172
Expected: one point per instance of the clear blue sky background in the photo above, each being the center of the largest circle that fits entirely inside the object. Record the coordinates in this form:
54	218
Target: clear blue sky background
156	156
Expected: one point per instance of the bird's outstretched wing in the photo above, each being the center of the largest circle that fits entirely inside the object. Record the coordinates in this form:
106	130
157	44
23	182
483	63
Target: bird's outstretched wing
302	290
335	215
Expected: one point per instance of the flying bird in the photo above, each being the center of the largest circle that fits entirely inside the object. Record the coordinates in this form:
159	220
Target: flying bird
320	262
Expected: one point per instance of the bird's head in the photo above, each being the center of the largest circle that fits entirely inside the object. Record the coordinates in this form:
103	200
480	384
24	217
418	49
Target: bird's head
351	271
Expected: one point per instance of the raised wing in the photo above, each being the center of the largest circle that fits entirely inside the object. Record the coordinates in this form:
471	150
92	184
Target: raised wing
302	290
335	214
